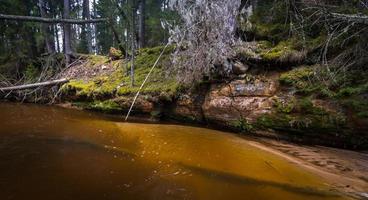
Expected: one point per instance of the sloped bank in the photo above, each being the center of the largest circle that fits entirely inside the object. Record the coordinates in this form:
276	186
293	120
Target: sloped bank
262	103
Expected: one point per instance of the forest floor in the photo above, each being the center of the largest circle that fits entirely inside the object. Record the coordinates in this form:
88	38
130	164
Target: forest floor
345	170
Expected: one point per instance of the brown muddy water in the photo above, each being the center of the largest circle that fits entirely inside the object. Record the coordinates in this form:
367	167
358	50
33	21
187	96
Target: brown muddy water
55	153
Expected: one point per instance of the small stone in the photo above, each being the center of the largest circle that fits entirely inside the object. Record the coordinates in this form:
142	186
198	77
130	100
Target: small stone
240	68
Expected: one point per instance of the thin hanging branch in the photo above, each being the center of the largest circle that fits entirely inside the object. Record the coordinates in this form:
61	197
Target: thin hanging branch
50	20
145	80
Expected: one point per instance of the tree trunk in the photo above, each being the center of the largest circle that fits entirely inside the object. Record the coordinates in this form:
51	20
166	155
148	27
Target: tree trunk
142	23
87	27
50	46
95	27
67	33
56	30
133	44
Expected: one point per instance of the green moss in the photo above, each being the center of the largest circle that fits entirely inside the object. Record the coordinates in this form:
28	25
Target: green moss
242	125
305	105
97	60
358	105
108	106
118	83
288	51
273	121
79	88
353	90
302	123
157	82
284	106
300	115
276	52
297	77
297	105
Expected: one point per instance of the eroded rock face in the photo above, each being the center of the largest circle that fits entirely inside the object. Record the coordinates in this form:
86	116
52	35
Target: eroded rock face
142	104
242	88
188	107
239	99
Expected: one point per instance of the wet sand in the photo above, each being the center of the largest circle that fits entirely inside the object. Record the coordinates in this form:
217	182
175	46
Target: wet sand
345	170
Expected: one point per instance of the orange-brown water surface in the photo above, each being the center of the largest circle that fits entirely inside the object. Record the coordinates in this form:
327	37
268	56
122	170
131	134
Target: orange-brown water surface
55	153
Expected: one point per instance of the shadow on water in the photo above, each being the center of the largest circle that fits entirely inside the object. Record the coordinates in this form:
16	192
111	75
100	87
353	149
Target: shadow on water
249	181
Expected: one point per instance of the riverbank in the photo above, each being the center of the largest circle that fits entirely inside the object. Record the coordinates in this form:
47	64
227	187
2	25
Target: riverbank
345	170
259	98
254	100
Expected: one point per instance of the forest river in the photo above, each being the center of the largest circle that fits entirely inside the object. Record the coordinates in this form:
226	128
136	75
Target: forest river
55	153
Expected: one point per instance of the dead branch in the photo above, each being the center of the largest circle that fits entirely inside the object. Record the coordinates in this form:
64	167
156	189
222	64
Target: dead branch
50	20
359	19
34	85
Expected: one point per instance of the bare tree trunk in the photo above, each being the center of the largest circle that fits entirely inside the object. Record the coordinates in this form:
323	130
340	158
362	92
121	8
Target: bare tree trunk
142	23
87	27
67	33
133	44
57	38
50	46
95	27
127	48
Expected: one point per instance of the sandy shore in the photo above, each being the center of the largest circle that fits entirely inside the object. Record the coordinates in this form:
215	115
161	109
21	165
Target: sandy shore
346	171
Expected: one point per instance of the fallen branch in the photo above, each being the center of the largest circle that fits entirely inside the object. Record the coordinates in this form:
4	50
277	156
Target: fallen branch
359	19
50	20
34	85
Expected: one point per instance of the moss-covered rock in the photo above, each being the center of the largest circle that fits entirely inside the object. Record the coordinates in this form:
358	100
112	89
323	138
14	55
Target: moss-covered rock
299	77
287	52
284	52
303	123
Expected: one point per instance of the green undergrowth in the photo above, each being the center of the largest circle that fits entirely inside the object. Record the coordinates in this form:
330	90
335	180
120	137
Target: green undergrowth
108	106
242	125
299	114
118	83
349	89
303	123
